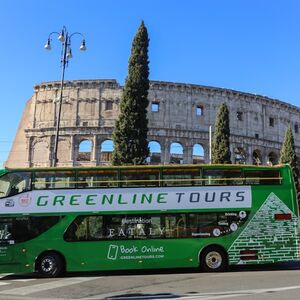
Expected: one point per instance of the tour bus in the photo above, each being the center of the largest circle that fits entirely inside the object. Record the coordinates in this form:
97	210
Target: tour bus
54	220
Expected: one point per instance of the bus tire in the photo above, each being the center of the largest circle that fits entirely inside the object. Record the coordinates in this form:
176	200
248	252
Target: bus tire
213	259
50	264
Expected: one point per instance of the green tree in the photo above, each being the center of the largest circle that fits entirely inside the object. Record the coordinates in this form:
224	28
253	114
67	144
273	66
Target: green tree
131	127
288	154
220	143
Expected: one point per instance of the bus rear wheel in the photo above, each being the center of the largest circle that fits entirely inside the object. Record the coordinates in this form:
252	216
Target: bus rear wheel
50	264
213	259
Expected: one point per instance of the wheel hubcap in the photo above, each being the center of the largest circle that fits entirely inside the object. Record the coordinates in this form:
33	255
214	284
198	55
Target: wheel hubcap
47	265
213	260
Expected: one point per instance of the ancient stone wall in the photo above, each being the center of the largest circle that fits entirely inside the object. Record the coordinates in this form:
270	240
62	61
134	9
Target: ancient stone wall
179	119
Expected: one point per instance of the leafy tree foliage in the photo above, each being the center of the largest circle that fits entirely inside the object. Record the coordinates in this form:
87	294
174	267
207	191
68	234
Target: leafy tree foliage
131	127
288	155
220	143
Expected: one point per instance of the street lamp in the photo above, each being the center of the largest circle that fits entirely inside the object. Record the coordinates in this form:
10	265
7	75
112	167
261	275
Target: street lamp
210	143
65	39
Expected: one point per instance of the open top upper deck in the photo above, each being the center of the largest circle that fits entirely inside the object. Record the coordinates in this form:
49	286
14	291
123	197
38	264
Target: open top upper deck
14	181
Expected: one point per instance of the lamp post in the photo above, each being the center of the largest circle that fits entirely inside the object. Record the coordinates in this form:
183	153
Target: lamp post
210	143
65	38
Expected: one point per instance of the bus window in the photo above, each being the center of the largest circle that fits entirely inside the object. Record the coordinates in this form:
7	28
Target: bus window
262	177
97	178
85	228
116	227
181	177
14	183
203	225
136	178
21	229
54	180
134	227
222	177
176	226
5	229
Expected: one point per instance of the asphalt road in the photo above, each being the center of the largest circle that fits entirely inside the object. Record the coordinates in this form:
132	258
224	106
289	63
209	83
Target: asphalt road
277	282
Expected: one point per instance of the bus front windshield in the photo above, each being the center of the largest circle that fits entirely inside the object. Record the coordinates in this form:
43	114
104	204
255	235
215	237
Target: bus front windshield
14	183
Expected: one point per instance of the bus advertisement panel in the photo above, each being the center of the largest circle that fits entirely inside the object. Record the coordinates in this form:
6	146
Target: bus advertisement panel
134	199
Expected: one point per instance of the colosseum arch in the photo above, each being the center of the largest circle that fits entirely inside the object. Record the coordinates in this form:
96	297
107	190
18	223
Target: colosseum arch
256	157
272	158
155	152
240	156
85	150
106	149
198	154
176	153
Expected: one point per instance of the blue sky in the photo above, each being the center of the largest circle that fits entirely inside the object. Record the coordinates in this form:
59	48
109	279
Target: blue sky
247	45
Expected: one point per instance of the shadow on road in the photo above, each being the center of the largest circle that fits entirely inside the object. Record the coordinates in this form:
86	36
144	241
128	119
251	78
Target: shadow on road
295	265
138	296
289	266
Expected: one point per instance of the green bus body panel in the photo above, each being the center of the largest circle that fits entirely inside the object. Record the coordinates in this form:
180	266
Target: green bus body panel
272	240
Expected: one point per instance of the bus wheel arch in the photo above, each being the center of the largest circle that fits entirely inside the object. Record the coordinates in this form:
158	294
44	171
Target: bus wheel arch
50	263
213	258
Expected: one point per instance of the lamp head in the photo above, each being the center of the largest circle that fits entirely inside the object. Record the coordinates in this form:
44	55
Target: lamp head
82	46
69	54
61	36
47	45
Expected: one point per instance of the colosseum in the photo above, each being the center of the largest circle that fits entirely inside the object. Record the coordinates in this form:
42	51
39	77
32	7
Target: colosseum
179	119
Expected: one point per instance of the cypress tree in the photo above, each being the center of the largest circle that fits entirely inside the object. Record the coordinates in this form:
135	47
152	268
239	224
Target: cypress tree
220	143
288	154
131	127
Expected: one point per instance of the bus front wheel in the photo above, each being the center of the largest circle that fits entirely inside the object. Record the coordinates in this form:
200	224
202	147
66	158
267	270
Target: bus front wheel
50	264
213	259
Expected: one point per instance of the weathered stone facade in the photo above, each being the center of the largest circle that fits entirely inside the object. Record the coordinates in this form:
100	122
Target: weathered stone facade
178	113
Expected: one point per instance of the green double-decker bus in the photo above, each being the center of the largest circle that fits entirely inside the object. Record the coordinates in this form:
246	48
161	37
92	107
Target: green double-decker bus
141	217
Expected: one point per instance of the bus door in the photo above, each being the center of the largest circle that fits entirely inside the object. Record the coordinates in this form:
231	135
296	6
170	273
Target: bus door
7	241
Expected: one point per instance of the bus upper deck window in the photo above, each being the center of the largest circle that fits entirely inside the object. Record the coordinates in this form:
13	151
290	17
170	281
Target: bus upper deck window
97	178
14	183
222	177
262	177
54	179
181	177
139	177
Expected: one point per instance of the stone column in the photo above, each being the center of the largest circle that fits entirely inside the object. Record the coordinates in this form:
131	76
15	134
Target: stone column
188	154
75	150
165	152
95	150
206	153
232	155
264	156
72	150
29	145
76	123
34	110
250	155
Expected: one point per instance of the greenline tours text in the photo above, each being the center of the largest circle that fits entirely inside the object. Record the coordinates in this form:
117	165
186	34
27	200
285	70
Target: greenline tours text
150	198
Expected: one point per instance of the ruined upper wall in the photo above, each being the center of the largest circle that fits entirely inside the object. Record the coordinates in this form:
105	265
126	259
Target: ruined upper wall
177	113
